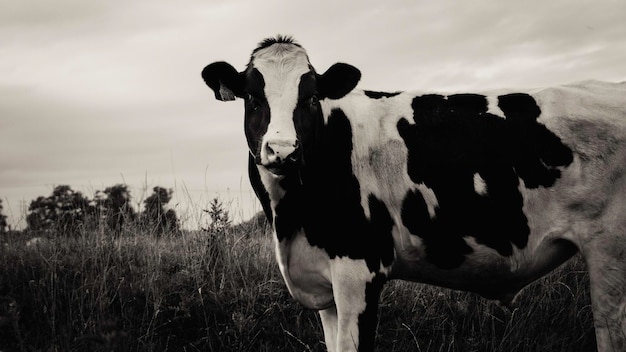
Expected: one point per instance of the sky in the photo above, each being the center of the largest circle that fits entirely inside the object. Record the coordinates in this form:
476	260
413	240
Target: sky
97	93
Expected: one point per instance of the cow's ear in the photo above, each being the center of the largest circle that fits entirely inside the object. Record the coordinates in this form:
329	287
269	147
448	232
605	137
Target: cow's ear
225	81
338	81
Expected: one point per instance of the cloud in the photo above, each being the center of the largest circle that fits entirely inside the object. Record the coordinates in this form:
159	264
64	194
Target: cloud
50	14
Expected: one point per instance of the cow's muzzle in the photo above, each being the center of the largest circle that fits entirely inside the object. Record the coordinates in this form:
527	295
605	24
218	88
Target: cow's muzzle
281	155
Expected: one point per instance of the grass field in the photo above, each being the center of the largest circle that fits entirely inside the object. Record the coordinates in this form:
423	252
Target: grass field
196	292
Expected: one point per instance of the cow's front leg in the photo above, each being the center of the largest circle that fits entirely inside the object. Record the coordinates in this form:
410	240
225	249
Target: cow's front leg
329	324
351	324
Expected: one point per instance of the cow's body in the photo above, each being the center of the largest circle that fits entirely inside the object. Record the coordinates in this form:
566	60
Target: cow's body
477	192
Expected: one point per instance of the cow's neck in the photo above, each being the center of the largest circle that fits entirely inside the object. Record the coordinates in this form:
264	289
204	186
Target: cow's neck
322	192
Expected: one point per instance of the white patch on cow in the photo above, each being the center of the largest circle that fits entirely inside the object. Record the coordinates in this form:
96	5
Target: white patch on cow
492	106
430	198
271	182
480	187
306	271
281	65
378	151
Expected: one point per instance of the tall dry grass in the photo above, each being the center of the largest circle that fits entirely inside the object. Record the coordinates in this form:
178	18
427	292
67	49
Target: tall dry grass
223	292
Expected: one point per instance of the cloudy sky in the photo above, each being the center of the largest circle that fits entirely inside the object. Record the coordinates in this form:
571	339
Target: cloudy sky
95	93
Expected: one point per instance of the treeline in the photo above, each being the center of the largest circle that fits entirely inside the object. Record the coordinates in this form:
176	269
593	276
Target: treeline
4	226
68	212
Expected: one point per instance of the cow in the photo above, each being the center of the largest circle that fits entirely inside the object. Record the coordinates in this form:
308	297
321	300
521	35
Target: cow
477	192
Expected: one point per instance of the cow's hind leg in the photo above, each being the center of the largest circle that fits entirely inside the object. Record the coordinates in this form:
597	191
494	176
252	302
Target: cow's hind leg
606	262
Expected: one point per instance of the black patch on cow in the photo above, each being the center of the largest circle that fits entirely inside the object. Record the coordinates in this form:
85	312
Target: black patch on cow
255	83
307	88
257	111
454	138
307	116
381	225
259	188
444	247
379	95
368	319
324	199
539	151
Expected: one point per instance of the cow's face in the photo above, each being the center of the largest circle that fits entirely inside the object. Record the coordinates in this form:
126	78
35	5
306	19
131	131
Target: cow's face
282	94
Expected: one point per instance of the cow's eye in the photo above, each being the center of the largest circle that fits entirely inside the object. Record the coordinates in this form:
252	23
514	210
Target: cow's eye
313	102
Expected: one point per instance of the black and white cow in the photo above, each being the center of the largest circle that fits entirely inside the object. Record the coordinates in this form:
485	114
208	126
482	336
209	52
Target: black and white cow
476	192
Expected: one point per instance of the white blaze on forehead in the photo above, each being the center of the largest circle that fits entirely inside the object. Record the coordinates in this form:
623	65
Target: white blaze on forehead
281	65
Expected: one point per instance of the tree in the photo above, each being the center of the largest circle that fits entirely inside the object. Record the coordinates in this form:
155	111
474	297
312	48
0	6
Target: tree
116	207
3	220
63	212
155	215
220	219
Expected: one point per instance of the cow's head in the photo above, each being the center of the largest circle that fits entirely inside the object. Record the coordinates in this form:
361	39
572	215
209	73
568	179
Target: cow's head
282	94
